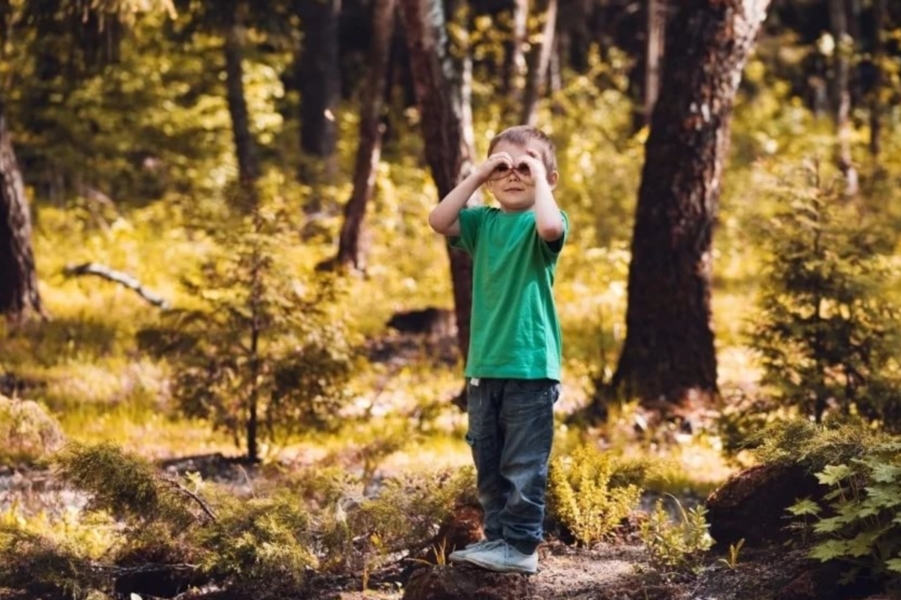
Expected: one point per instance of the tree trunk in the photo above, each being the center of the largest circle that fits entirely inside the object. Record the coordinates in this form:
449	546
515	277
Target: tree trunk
369	148
514	57
19	296
539	61
320	77
880	18
669	352
446	128
654	48
841	94
245	146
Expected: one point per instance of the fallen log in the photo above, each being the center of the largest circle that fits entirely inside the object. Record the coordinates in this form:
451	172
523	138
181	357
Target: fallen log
119	277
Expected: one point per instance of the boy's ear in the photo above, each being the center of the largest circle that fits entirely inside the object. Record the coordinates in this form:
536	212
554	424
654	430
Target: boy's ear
552	178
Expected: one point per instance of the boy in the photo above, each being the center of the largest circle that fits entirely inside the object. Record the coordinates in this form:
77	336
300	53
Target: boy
514	354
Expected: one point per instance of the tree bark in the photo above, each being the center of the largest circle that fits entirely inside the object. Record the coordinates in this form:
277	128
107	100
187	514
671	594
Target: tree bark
539	61
841	94
19	296
350	252
654	49
446	126
320	77
245	146
669	351
880	18
514	57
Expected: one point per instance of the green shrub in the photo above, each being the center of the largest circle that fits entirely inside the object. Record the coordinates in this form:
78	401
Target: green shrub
582	496
676	546
261	540
827	334
262	357
44	567
27	432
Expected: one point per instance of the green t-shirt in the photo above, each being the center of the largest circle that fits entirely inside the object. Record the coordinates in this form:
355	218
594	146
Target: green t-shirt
515	329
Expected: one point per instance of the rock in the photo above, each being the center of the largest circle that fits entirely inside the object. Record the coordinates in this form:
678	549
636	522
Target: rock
429	321
464	582
27	430
752	504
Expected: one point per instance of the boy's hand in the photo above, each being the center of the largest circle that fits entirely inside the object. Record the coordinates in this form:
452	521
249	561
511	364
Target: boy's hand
487	169
536	166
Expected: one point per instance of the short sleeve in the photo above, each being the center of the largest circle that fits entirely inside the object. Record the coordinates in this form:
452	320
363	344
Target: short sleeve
470	219
552	249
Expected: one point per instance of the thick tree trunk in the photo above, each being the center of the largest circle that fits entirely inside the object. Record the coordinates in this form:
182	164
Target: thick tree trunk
19	297
245	146
446	127
669	348
320	77
350	252
539	62
841	93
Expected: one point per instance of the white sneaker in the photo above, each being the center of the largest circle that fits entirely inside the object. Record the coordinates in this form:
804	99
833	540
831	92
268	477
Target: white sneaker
504	558
460	555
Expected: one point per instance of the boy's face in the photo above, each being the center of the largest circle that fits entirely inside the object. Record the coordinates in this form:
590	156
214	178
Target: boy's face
515	188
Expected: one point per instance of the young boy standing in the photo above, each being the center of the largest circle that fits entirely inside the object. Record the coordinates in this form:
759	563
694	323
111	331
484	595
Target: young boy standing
513	367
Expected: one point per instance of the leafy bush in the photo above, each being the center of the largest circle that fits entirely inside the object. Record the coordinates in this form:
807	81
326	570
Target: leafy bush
27	432
583	497
859	520
677	545
826	332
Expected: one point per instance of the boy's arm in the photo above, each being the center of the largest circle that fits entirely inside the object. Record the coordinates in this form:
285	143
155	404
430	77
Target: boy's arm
444	218
548	220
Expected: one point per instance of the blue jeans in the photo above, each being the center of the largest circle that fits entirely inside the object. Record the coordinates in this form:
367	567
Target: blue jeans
511	430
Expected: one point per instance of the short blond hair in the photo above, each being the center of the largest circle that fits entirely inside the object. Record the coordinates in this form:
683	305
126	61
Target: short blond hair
521	135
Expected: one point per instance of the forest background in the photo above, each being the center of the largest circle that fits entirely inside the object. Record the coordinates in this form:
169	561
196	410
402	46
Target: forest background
210	213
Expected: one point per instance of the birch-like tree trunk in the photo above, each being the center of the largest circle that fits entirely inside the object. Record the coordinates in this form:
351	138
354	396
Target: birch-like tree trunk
539	62
841	94
669	350
446	128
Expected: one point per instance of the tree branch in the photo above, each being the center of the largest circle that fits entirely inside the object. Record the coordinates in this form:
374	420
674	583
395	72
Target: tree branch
119	277
182	489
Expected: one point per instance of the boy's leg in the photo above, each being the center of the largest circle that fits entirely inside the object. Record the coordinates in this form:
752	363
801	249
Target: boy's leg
485	439
527	420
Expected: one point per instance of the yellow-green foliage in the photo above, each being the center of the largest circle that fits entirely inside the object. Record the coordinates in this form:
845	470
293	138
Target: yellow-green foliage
813	446
404	515
587	496
123	485
676	545
27	432
44	567
259	540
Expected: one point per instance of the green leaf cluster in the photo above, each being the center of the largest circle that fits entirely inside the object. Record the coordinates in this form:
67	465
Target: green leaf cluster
858	522
587	496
